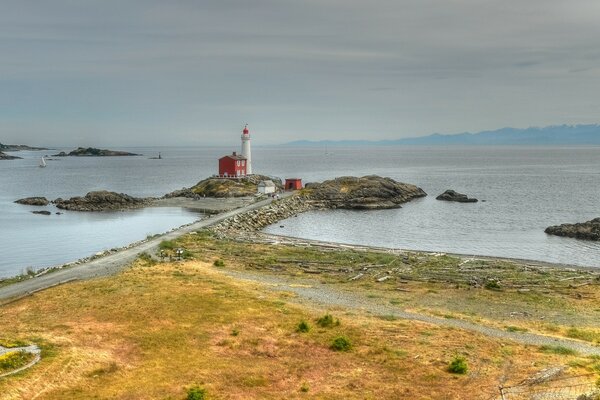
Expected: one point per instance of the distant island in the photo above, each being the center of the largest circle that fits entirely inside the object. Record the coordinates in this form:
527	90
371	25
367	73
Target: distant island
7	157
93	152
19	147
549	135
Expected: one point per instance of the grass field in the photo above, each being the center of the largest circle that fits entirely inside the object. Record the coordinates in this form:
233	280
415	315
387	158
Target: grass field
158	329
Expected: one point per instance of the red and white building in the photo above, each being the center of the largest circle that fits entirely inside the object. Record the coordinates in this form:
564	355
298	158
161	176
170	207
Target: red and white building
233	166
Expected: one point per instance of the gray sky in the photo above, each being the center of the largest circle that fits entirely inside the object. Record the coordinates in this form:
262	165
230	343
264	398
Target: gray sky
193	72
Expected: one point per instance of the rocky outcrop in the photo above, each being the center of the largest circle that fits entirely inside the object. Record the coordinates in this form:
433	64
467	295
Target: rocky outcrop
93	152
256	220
585	230
42	212
102	201
4	156
451	195
33	201
225	187
366	193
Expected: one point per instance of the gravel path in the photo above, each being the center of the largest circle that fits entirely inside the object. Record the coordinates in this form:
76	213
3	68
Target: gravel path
328	296
114	263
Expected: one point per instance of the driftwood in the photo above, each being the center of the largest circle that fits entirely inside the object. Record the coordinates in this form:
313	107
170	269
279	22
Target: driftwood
356	277
385	278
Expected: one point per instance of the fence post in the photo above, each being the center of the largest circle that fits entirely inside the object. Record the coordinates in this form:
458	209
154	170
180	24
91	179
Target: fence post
502	392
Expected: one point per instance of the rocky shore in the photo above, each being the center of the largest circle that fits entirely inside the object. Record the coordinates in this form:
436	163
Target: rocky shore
589	230
4	156
366	193
256	220
94	152
102	201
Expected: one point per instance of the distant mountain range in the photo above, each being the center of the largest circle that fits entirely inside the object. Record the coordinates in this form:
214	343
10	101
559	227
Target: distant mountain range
549	135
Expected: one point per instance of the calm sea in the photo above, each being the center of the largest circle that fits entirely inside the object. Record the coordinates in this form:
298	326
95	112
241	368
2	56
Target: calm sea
525	188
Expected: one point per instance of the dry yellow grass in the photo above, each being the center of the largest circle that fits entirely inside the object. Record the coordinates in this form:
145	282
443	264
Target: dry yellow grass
150	332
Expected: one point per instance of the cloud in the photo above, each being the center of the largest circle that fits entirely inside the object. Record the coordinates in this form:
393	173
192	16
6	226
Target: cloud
382	69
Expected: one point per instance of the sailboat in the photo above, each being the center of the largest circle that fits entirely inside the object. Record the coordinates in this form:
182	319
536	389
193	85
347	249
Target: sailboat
42	163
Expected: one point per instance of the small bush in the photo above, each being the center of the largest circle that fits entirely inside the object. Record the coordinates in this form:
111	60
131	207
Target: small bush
235	332
492	285
303	327
196	393
327	321
341	343
167	245
304	388
147	258
219	263
458	365
583	334
512	328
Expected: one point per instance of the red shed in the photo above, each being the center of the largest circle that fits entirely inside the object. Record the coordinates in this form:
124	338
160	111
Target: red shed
232	166
293	183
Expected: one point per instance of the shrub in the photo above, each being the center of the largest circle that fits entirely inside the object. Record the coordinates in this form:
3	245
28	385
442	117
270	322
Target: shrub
196	393
219	263
458	365
303	327
327	321
304	388
167	245
492	285
341	343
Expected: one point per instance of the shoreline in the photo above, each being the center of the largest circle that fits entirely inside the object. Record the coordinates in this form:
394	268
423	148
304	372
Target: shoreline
216	218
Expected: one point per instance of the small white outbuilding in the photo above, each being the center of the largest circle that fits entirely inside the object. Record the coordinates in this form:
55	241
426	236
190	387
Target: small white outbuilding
266	187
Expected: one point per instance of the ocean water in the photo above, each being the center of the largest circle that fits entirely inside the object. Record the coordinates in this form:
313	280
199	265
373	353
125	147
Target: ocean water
525	188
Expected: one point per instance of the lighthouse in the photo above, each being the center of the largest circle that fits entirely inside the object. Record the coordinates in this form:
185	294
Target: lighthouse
246	149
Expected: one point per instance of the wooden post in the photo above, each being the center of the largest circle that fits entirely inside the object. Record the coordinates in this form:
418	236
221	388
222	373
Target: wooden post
502	392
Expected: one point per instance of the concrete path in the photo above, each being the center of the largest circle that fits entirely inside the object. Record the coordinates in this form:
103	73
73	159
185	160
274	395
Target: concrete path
113	263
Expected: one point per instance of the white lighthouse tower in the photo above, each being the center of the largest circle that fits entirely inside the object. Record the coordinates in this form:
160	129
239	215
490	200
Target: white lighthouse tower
246	149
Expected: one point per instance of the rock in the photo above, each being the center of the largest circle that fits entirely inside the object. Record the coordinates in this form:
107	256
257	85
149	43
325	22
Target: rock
451	195
42	212
101	201
94	152
33	201
4	156
589	230
368	192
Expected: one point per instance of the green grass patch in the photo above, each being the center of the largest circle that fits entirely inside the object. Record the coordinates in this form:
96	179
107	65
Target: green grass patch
561	350
512	328
583	334
14	360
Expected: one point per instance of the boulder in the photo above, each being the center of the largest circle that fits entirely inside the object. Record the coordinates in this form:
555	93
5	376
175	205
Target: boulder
101	201
33	201
42	212
365	193
451	195
589	230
